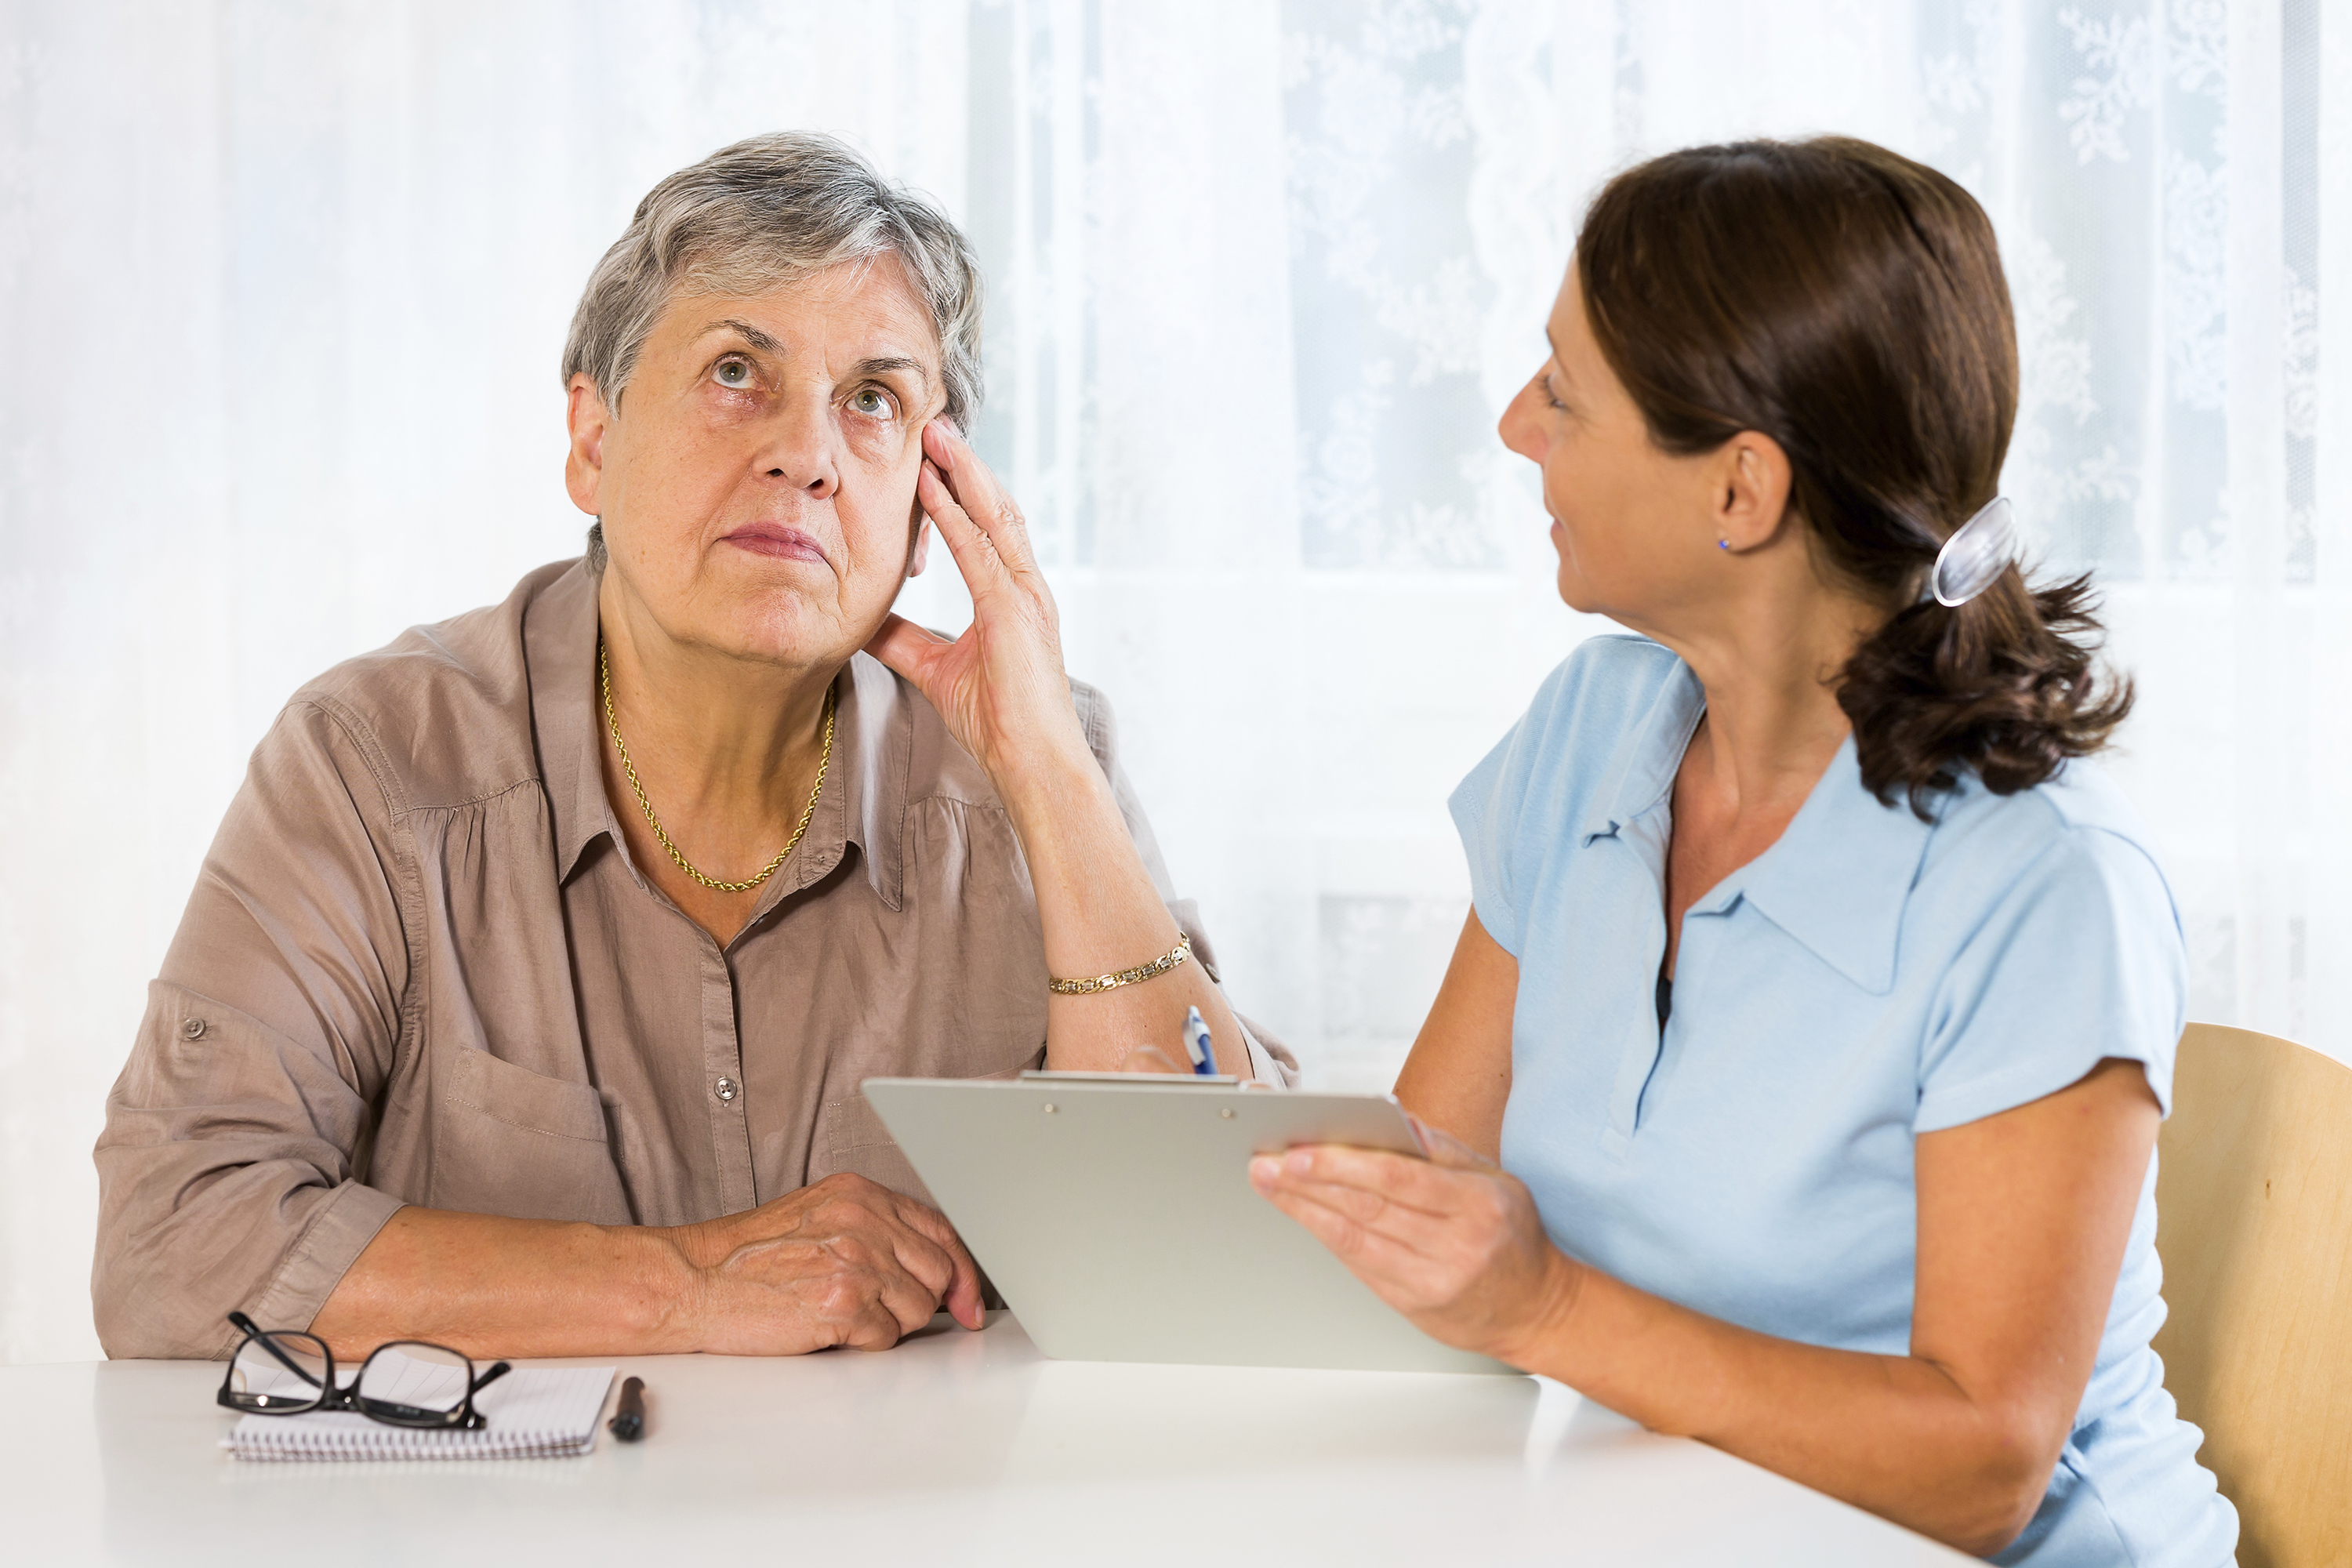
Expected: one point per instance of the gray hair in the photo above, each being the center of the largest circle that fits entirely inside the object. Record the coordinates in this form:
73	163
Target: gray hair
760	214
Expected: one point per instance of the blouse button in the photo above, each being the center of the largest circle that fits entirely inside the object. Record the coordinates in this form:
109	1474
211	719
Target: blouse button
191	1029
727	1089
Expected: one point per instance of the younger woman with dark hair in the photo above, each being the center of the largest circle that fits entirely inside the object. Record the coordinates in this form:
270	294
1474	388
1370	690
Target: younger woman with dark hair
1818	999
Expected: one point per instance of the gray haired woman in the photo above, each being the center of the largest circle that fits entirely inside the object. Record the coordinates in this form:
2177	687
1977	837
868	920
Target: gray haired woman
523	1000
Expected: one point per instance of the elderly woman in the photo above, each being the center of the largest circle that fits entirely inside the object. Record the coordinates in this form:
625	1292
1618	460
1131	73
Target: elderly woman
522	1002
1817	997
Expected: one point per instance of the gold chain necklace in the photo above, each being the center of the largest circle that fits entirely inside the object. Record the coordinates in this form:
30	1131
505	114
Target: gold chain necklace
605	684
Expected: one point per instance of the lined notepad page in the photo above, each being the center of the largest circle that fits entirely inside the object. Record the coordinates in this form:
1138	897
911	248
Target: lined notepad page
545	1412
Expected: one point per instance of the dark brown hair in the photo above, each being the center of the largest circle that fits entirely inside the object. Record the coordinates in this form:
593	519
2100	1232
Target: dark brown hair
1849	303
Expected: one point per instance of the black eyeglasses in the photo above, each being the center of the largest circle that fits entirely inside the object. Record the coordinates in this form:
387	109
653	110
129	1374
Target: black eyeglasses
405	1383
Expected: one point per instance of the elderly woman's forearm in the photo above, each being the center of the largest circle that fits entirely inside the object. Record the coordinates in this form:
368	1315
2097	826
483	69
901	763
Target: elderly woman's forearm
490	1286
844	1261
1099	913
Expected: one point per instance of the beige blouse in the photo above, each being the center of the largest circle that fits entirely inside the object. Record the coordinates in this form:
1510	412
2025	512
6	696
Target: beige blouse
420	966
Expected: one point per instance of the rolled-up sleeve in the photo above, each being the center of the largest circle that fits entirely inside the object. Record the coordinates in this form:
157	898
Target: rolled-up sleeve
230	1169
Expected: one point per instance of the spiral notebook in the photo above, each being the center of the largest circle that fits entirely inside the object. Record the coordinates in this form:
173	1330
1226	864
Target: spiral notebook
545	1412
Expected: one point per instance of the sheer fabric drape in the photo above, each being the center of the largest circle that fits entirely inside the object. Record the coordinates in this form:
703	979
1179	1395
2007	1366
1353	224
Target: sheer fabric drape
282	290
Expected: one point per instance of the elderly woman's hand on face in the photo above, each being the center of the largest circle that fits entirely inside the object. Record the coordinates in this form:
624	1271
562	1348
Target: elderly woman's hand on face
1001	687
1002	691
1453	1242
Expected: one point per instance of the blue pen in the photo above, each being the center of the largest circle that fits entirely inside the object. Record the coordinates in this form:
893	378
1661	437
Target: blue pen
1196	1045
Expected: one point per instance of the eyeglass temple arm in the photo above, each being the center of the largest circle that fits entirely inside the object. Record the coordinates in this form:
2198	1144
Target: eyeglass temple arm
490	1377
254	1332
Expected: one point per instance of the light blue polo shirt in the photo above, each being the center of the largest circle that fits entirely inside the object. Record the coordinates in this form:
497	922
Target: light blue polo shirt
1869	978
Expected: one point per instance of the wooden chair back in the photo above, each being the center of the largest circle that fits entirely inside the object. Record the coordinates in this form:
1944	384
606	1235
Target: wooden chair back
2253	1195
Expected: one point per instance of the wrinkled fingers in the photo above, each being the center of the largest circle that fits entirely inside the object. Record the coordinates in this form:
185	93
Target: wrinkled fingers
975	553
931	1265
960	1291
871	1325
868	1278
984	501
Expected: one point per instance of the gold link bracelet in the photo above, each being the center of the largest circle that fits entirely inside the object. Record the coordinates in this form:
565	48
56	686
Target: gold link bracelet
1141	972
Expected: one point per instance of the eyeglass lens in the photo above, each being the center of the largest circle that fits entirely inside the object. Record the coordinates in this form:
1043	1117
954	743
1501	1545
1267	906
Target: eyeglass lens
278	1374
407	1381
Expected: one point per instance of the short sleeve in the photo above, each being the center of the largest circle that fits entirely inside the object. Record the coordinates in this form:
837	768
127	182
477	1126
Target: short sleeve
2080	959
1604	714
1485	807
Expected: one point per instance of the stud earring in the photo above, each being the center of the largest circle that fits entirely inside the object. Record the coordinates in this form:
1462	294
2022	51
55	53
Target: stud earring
1723	544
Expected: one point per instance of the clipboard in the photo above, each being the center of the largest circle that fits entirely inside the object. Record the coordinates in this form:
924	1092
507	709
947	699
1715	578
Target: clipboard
1114	1213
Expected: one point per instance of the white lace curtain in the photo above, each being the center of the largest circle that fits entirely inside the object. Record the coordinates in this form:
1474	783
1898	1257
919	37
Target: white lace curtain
283	289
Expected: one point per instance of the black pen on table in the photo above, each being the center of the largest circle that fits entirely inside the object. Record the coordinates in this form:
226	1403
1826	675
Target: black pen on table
628	1423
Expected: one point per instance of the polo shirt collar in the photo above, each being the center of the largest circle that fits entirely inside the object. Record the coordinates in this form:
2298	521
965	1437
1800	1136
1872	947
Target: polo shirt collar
1643	772
864	794
1838	878
1839	875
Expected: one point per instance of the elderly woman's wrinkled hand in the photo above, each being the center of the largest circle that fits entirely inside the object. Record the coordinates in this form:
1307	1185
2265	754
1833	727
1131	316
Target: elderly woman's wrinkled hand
845	1261
1453	1242
1001	687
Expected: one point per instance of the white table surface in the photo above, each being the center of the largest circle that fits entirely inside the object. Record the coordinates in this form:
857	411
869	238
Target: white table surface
955	1447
